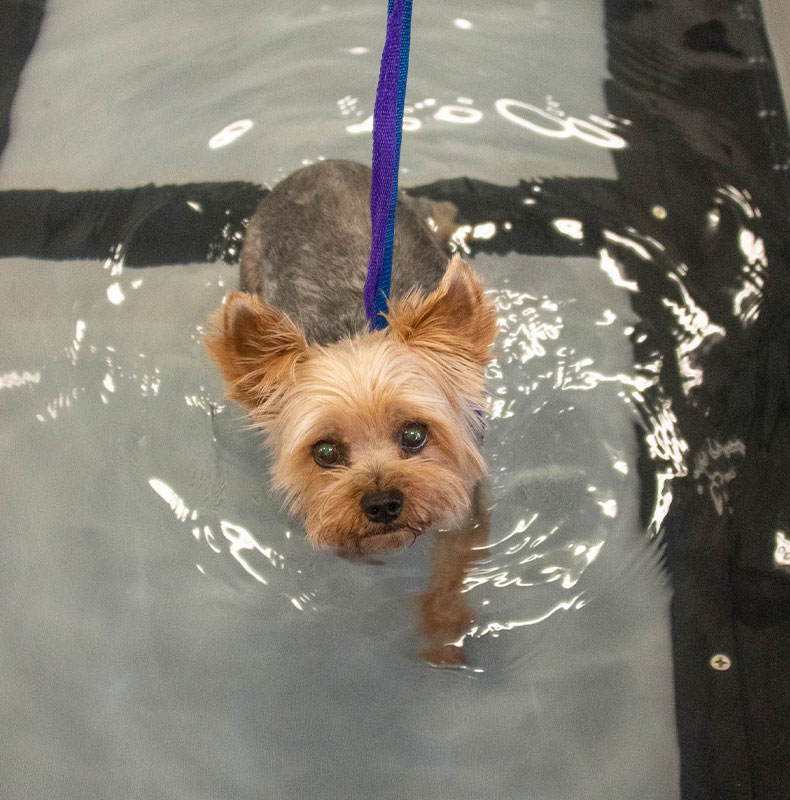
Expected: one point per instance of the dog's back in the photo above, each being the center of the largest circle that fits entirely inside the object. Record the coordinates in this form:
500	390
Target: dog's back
308	244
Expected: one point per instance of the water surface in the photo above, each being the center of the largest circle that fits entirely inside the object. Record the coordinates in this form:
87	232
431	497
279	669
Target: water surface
168	632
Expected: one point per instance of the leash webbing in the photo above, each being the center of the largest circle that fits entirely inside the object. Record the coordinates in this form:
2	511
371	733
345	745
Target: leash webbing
387	131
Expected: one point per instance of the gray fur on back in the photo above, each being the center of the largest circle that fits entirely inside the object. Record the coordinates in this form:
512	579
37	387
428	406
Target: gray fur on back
308	244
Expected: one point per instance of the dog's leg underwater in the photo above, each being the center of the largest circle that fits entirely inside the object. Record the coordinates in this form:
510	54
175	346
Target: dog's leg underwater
445	614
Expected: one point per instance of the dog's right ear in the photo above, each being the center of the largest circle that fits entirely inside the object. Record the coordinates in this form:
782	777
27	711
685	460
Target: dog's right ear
256	348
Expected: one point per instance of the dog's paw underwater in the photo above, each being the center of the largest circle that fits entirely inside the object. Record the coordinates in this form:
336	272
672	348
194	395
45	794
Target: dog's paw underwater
375	435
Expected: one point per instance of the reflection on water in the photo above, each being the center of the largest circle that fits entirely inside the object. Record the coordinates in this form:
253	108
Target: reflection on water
186	639
563	486
13	380
562	358
230	133
551	122
782	549
594	130
579	406
715	464
747	301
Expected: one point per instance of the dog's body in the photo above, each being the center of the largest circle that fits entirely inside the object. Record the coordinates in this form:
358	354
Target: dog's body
374	433
307	247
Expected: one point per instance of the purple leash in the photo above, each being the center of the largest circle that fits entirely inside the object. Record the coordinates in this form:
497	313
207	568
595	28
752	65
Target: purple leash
387	131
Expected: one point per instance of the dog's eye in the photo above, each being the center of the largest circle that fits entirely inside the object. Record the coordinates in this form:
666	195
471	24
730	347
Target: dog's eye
413	437
326	454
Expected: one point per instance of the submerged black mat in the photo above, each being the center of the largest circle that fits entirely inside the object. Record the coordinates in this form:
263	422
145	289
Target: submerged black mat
696	80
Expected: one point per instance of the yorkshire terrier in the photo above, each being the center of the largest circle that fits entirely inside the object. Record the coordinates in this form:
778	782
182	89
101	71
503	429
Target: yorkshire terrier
375	434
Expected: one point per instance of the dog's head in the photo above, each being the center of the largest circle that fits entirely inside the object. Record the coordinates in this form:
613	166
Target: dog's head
375	437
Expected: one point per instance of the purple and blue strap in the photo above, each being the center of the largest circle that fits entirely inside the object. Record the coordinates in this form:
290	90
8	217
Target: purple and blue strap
387	131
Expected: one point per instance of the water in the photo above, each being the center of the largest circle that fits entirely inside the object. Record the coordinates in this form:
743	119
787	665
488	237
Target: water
168	630
149	85
168	633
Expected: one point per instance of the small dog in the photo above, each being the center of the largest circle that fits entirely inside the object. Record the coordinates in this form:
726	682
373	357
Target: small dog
375	434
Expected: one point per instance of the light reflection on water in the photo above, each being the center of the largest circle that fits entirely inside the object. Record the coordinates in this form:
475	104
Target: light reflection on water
150	523
549	122
554	509
537	363
558	511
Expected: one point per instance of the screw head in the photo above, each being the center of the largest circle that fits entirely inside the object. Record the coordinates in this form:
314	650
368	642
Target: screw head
720	662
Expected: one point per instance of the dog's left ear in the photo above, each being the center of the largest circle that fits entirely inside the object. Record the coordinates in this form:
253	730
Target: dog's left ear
455	321
257	349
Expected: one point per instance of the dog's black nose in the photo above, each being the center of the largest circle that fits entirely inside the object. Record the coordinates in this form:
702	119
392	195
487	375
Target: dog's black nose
382	506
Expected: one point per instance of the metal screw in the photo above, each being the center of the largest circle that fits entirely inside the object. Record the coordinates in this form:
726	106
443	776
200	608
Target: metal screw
720	662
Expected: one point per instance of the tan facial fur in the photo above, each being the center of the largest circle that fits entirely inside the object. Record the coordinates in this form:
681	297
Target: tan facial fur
426	367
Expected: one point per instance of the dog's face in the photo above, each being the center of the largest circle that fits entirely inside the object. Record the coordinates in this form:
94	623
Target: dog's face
375	438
